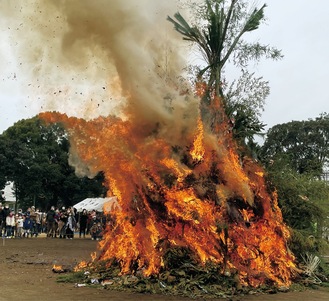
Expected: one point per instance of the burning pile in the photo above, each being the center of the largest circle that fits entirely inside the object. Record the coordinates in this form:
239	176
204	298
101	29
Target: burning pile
200	197
179	185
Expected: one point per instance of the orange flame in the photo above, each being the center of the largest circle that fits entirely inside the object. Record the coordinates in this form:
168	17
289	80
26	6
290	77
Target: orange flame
80	266
58	269
217	207
197	151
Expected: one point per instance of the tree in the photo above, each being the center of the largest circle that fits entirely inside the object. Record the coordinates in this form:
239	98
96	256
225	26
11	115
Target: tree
295	154
219	38
34	156
303	145
304	205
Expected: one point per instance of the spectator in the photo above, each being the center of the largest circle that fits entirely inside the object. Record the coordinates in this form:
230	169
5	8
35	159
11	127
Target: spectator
2	220
63	216
83	219
10	225
27	226
43	222
91	218
96	230
6	212
33	216
19	225
38	222
70	226
51	222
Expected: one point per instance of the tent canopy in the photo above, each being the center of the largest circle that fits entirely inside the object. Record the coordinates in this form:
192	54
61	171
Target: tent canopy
98	204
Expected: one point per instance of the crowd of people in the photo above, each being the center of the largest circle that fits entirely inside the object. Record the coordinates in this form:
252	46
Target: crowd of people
56	223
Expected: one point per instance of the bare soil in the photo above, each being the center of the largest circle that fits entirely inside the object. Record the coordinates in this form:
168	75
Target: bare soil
26	274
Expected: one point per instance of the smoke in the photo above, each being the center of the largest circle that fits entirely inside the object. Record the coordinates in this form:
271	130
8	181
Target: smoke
105	57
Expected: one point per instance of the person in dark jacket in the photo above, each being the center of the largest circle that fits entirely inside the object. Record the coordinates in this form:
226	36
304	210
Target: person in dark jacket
27	226
83	219
51	222
2	220
6	212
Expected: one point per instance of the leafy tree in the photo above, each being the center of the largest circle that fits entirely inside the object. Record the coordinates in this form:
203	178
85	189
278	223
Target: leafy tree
295	154
34	156
304	205
218	32
302	145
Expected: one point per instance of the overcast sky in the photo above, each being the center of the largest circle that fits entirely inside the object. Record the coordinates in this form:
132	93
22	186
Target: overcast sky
298	82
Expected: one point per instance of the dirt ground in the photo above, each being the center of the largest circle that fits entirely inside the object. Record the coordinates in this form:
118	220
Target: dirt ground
26	274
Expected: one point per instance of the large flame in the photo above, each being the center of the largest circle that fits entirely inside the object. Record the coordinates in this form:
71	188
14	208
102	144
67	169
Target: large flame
178	184
215	205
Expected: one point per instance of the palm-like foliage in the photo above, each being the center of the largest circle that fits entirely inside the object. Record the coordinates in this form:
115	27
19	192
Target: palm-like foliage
211	40
219	38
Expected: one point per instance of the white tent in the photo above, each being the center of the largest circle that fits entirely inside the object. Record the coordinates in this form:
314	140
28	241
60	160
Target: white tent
98	204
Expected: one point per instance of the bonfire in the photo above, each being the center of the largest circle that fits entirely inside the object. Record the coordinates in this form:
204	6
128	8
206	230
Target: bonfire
198	195
180	179
183	187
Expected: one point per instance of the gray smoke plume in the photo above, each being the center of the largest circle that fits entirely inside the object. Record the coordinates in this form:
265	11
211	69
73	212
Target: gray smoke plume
105	57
